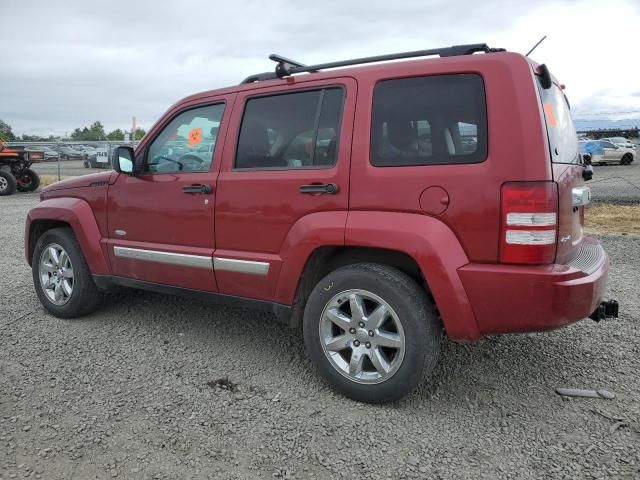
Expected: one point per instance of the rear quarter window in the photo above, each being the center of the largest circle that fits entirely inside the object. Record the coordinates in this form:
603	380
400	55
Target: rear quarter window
432	120
563	140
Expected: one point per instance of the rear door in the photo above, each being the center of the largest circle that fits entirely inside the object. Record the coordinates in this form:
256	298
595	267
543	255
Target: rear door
612	153
287	165
567	171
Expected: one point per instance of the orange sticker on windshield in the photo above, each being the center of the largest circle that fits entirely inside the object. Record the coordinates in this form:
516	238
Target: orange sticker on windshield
550	114
195	136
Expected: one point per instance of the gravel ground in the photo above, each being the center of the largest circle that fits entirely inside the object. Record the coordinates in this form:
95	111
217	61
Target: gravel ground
158	387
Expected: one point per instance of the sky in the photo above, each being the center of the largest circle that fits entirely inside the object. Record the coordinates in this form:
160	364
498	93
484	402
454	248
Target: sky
65	64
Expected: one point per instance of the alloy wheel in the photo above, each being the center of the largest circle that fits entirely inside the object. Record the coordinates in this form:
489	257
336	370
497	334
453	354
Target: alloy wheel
56	274
362	336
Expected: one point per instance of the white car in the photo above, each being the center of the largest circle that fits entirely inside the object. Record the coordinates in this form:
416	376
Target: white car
603	151
620	141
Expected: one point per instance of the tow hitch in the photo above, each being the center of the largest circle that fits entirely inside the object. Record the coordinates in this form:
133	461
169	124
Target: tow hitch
606	309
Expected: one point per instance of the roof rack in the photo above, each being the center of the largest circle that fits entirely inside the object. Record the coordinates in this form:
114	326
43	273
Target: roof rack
286	67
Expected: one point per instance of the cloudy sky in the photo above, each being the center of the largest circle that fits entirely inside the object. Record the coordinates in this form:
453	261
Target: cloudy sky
65	64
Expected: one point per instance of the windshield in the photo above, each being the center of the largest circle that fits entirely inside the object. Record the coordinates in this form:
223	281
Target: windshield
563	140
619	140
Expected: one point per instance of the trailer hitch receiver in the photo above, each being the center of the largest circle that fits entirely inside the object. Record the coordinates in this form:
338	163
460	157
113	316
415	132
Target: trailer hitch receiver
606	309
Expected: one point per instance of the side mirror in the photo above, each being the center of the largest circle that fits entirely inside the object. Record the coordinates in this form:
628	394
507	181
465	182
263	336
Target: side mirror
123	159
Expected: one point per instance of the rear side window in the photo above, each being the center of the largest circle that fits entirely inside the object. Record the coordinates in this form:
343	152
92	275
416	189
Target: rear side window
431	120
293	130
563	140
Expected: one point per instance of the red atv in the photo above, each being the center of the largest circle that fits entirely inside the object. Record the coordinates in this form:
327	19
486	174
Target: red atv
14	169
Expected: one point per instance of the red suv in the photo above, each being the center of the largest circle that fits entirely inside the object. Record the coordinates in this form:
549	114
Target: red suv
376	206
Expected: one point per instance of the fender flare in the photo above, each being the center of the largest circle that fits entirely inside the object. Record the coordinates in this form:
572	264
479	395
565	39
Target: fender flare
78	215
436	250
310	232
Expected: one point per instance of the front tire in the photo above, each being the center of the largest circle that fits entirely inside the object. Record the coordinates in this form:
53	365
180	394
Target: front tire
28	181
7	183
371	332
626	159
61	277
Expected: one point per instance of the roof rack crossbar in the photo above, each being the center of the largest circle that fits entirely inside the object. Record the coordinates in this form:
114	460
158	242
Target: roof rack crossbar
442	52
286	67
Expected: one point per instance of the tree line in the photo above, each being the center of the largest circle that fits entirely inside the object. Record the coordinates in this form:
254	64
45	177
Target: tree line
94	132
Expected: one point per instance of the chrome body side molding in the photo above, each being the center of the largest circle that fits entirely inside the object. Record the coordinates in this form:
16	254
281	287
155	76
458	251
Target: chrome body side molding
195	261
240	266
170	258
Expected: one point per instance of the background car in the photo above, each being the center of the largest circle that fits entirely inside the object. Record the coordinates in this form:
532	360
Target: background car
69	152
50	155
89	152
601	152
620	141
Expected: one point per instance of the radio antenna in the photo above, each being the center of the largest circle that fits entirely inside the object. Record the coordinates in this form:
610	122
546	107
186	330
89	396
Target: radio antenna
536	46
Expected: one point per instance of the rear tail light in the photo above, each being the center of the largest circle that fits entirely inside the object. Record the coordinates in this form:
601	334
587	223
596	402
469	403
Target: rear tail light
529	222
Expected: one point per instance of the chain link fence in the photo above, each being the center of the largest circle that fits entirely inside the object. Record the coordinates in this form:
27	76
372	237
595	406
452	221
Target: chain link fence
616	184
619	184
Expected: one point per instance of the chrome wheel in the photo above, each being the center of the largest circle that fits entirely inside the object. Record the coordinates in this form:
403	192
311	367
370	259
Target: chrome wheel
3	184
362	336
56	274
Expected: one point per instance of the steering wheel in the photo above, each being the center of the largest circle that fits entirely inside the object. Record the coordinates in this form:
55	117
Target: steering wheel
190	157
162	157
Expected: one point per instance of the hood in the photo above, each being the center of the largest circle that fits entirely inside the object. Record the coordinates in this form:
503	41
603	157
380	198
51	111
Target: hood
81	181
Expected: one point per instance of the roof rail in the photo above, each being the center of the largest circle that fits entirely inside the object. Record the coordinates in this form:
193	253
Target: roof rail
286	67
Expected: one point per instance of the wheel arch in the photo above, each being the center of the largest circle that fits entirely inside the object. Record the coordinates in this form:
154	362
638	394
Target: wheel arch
422	247
73	213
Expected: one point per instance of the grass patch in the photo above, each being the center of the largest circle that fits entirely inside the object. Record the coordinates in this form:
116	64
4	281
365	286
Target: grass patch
49	179
608	218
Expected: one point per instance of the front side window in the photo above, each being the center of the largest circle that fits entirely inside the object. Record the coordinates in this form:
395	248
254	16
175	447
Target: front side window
433	120
293	130
187	143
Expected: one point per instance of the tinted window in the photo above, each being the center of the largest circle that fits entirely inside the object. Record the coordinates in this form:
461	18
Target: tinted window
186	144
294	130
563	140
429	120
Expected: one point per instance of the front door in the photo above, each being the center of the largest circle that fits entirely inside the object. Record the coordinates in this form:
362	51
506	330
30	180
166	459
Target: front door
284	173
161	221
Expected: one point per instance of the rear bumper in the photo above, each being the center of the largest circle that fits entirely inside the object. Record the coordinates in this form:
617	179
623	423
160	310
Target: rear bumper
512	298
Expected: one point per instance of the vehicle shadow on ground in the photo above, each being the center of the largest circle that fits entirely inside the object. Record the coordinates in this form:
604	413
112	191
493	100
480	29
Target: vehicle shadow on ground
513	365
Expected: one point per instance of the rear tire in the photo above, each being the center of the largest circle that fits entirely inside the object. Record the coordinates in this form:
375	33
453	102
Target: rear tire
7	183
61	277
28	181
371	356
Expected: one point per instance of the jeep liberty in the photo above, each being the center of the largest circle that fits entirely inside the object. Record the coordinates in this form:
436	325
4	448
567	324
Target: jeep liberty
375	204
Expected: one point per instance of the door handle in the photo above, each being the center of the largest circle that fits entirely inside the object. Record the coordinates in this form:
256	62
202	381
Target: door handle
330	188
197	188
